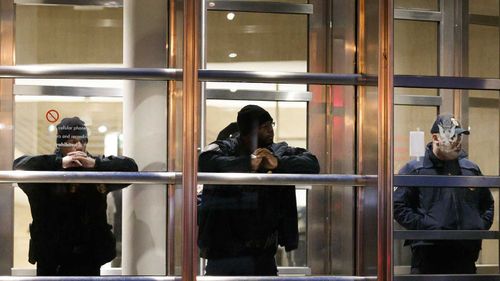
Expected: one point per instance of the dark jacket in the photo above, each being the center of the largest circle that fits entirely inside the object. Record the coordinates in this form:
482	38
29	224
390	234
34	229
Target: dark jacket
69	220
428	208
238	220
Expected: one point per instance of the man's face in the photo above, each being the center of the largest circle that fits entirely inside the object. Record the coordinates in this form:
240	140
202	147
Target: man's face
74	143
447	147
265	134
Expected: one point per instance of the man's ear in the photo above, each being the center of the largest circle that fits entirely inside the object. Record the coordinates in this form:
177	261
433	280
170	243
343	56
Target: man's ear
435	138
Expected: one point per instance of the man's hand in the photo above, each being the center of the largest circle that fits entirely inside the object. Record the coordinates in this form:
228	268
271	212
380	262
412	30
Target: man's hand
78	159
255	162
269	161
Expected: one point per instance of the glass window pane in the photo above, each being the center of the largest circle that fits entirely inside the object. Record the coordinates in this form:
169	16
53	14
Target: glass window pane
410	118
484	149
417	4
68	34
255	37
484	57
484	7
415	47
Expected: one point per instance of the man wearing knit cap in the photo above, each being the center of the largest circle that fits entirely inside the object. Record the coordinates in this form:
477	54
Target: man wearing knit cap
438	208
241	226
70	235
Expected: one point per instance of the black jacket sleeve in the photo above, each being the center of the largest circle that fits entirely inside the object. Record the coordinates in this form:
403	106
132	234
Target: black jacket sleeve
295	160
406	204
216	158
115	164
486	205
288	226
36	163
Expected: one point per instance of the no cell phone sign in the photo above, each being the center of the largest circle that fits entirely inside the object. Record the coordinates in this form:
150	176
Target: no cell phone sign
52	115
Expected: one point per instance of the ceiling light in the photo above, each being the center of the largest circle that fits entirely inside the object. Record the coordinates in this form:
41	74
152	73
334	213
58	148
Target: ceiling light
102	129
230	16
232	55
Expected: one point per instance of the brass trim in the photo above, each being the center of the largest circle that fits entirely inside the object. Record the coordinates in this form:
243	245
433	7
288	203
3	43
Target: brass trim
385	141
191	100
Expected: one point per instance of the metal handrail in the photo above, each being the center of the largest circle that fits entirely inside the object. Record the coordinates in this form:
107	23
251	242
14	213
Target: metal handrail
448	277
72	72
446	181
244	178
163	74
209	75
176	178
201	278
445	234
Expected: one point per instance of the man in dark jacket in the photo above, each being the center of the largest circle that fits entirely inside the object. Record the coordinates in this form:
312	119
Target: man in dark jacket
69	232
240	226
424	208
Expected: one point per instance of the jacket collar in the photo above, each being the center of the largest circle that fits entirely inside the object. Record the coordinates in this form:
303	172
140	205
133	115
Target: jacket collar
431	161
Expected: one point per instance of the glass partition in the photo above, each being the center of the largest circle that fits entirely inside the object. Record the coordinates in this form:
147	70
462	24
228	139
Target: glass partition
432	5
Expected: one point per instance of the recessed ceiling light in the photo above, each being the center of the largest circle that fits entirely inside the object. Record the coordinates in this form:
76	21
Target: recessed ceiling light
230	16
232	55
102	129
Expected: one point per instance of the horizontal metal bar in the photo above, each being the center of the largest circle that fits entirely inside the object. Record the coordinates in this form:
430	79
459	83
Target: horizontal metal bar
403	14
244	178
105	3
90	177
176	178
71	72
91	278
287	278
294	270
225	94
446	82
285	77
259	7
445	234
446	181
481	269
484	20
448	277
201	278
163	74
286	179
483	102
417	100
43	90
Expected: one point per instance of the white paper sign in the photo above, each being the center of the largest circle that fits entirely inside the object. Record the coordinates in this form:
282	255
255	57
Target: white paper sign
417	144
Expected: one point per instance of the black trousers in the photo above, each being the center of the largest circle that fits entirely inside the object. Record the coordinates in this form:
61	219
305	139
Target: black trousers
256	265
449	258
71	269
